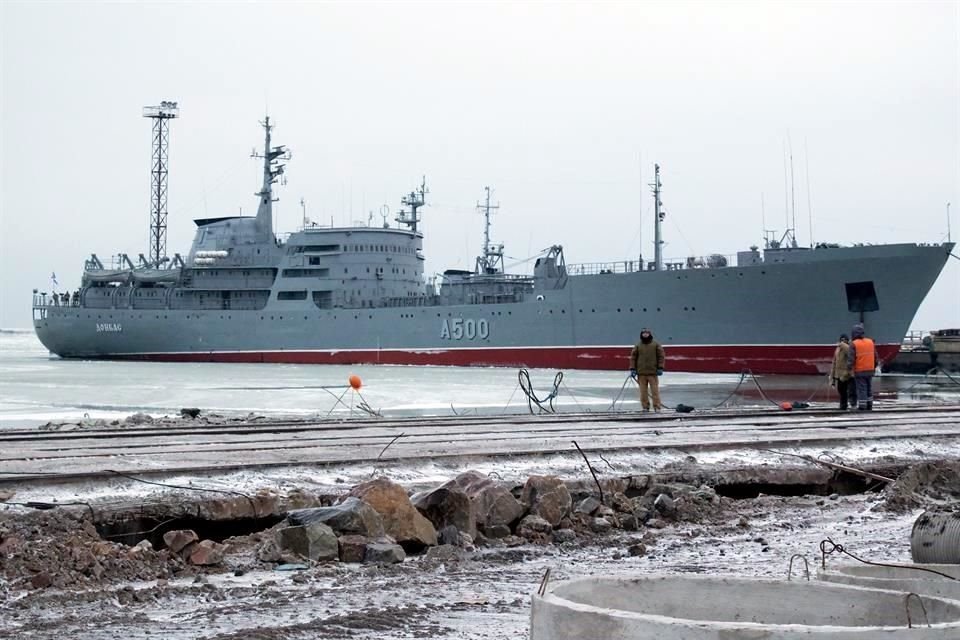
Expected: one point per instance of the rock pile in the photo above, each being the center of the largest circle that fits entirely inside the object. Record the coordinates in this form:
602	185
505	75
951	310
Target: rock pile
60	549
190	548
376	522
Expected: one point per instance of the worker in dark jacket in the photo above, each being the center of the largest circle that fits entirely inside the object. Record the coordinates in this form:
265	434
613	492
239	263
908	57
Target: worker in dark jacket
863	361
646	365
841	375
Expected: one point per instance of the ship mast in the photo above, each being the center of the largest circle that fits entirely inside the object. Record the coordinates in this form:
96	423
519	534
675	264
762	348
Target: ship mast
492	258
414	200
272	170
658	216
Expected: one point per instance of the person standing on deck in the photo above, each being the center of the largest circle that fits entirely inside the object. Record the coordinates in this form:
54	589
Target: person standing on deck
841	373
646	365
863	360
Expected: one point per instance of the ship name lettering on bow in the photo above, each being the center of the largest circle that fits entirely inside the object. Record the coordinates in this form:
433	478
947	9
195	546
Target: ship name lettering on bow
464	329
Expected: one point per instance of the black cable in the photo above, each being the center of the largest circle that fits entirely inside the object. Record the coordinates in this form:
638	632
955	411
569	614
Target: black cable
613	404
839	549
253	505
46	506
743	376
141	533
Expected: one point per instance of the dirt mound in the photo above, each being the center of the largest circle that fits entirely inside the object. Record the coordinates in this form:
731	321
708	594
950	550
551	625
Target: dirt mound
61	549
923	486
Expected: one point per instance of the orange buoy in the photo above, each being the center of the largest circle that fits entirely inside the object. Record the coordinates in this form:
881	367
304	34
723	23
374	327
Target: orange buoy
355	382
786	406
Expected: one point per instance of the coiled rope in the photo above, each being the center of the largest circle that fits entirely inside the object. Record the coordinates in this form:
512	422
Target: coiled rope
545	405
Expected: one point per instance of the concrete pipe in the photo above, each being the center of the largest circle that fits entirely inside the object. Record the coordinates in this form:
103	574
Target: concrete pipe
936	538
902	578
716	608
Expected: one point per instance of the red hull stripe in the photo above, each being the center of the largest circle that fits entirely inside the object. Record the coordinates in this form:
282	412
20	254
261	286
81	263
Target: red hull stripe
788	359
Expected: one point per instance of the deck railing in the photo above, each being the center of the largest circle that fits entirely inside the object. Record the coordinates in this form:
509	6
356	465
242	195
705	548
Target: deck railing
714	261
43	299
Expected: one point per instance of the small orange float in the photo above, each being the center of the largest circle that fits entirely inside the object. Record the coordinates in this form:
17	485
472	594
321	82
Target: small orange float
355	382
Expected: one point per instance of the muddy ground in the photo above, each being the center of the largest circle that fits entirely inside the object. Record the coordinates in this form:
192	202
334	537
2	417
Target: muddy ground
444	593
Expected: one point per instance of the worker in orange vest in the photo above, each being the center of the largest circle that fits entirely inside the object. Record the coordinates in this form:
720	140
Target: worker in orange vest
863	360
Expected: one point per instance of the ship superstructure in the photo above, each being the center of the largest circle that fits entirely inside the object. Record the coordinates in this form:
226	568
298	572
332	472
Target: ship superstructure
359	294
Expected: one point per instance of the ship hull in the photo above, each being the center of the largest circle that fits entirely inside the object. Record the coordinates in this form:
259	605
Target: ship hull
767	359
774	317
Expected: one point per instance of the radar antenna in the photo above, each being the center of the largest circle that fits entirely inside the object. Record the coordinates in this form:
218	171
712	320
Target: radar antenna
492	259
415	199
161	115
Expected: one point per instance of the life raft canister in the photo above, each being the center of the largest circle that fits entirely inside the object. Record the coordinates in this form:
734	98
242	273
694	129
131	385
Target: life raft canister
865	351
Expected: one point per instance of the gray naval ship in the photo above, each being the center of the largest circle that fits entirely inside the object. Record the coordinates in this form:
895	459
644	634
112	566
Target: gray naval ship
359	294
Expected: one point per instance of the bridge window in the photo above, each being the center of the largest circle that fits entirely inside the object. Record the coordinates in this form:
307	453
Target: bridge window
311	248
306	273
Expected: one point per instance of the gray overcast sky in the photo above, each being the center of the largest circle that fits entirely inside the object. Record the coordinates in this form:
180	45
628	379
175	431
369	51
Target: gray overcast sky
561	108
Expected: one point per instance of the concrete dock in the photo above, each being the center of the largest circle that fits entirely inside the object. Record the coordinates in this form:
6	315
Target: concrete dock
181	447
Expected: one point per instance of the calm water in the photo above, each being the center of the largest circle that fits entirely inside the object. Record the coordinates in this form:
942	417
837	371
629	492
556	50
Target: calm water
36	388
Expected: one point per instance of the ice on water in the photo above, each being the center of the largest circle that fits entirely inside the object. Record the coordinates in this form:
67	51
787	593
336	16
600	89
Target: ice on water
36	388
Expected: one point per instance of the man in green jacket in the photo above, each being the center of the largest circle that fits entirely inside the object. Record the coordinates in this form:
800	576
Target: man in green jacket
646	365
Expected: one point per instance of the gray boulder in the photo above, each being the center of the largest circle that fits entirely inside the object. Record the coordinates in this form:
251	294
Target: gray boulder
315	541
384	553
664	504
492	503
447	505
448	535
534	528
497	531
587	506
600	525
561	536
353	516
